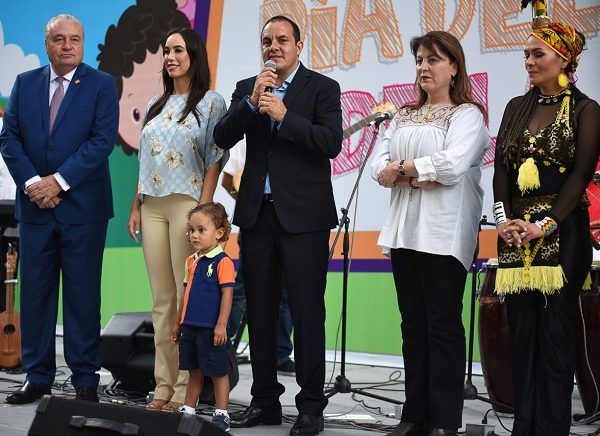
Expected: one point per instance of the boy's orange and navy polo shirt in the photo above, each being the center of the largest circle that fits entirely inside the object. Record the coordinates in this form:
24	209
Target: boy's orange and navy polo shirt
204	278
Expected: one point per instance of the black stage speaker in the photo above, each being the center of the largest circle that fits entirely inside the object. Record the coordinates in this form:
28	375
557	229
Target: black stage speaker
61	416
127	351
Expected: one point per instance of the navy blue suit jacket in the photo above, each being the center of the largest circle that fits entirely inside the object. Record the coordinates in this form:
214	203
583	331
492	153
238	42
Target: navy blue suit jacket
78	147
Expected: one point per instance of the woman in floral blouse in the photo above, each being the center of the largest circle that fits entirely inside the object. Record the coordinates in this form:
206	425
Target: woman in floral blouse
430	157
179	167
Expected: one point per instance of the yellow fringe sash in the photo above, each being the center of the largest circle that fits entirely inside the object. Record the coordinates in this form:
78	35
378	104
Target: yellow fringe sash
546	279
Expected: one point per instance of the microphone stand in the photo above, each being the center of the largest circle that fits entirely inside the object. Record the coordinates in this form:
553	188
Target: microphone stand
342	384
470	390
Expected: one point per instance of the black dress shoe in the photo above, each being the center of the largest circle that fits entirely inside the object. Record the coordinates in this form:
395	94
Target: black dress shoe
307	424
410	429
27	393
443	432
287	368
253	416
87	393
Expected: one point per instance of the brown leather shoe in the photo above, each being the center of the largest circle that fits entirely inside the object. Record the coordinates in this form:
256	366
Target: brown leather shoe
443	432
409	429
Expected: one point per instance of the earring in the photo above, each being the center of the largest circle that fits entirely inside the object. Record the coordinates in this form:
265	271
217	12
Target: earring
563	80
452	83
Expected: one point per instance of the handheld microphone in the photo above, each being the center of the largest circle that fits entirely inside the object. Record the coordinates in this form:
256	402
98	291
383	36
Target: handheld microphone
382	116
270	63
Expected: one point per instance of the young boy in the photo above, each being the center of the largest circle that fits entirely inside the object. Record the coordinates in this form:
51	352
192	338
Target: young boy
201	327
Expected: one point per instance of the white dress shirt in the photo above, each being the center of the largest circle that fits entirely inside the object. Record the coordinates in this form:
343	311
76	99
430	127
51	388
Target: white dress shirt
7	184
237	159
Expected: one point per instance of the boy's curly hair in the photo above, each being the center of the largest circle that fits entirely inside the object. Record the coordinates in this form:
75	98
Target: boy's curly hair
217	214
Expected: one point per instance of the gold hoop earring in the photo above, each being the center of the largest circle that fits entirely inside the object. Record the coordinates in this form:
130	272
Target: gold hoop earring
563	80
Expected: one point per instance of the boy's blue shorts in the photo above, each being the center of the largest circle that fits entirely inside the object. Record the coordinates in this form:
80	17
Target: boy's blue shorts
196	351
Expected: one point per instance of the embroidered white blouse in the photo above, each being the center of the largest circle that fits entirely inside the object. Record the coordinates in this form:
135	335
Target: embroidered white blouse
447	144
174	157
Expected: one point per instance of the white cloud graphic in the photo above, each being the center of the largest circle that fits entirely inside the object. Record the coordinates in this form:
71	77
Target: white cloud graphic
13	62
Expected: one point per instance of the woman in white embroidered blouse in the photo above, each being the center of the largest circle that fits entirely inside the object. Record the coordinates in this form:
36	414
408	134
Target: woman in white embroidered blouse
430	157
179	168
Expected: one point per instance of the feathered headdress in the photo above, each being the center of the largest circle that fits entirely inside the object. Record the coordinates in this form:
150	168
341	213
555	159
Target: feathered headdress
540	12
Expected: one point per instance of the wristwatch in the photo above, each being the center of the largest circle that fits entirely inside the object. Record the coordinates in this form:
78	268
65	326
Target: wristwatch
401	168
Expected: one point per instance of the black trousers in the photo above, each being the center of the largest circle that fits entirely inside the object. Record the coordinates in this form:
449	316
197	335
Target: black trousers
430	289
542	332
268	250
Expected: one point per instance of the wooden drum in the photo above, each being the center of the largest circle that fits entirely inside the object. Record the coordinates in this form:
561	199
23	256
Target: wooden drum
588	344
496	351
494	342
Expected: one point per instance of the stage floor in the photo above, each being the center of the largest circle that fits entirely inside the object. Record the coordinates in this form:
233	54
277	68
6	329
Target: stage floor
369	415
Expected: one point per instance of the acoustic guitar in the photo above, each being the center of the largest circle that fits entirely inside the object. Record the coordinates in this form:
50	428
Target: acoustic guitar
10	329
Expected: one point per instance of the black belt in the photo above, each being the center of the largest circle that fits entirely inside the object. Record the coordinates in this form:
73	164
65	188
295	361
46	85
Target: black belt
268	197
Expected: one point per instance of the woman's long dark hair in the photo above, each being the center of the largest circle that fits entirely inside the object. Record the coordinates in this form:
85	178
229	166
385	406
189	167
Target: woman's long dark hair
446	43
509	137
199	76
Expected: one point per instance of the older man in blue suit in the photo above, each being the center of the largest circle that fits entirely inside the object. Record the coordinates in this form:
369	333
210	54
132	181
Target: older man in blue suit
59	129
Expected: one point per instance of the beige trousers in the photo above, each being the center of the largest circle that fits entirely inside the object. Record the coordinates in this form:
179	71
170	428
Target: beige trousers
164	224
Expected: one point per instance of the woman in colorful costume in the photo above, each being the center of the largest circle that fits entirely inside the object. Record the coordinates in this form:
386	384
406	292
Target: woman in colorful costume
547	150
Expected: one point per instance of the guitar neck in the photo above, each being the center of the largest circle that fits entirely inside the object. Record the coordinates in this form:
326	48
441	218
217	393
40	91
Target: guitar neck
359	125
10	291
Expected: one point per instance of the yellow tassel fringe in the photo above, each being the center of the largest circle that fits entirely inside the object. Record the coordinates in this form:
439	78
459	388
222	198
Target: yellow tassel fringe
546	279
529	176
587	285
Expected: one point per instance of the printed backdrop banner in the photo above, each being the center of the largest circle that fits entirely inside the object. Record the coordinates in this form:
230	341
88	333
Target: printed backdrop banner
363	44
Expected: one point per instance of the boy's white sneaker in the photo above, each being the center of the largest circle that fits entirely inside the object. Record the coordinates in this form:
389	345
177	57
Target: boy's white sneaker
221	419
186	409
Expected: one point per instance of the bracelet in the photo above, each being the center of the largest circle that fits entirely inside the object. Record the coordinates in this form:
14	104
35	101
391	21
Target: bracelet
499	213
410	180
547	225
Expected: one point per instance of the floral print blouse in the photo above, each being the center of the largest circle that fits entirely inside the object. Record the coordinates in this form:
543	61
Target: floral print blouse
174	156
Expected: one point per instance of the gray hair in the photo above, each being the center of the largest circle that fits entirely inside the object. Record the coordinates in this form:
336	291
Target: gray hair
59	17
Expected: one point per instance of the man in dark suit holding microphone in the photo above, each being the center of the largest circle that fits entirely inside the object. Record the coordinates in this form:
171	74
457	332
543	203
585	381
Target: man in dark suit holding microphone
292	120
59	129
